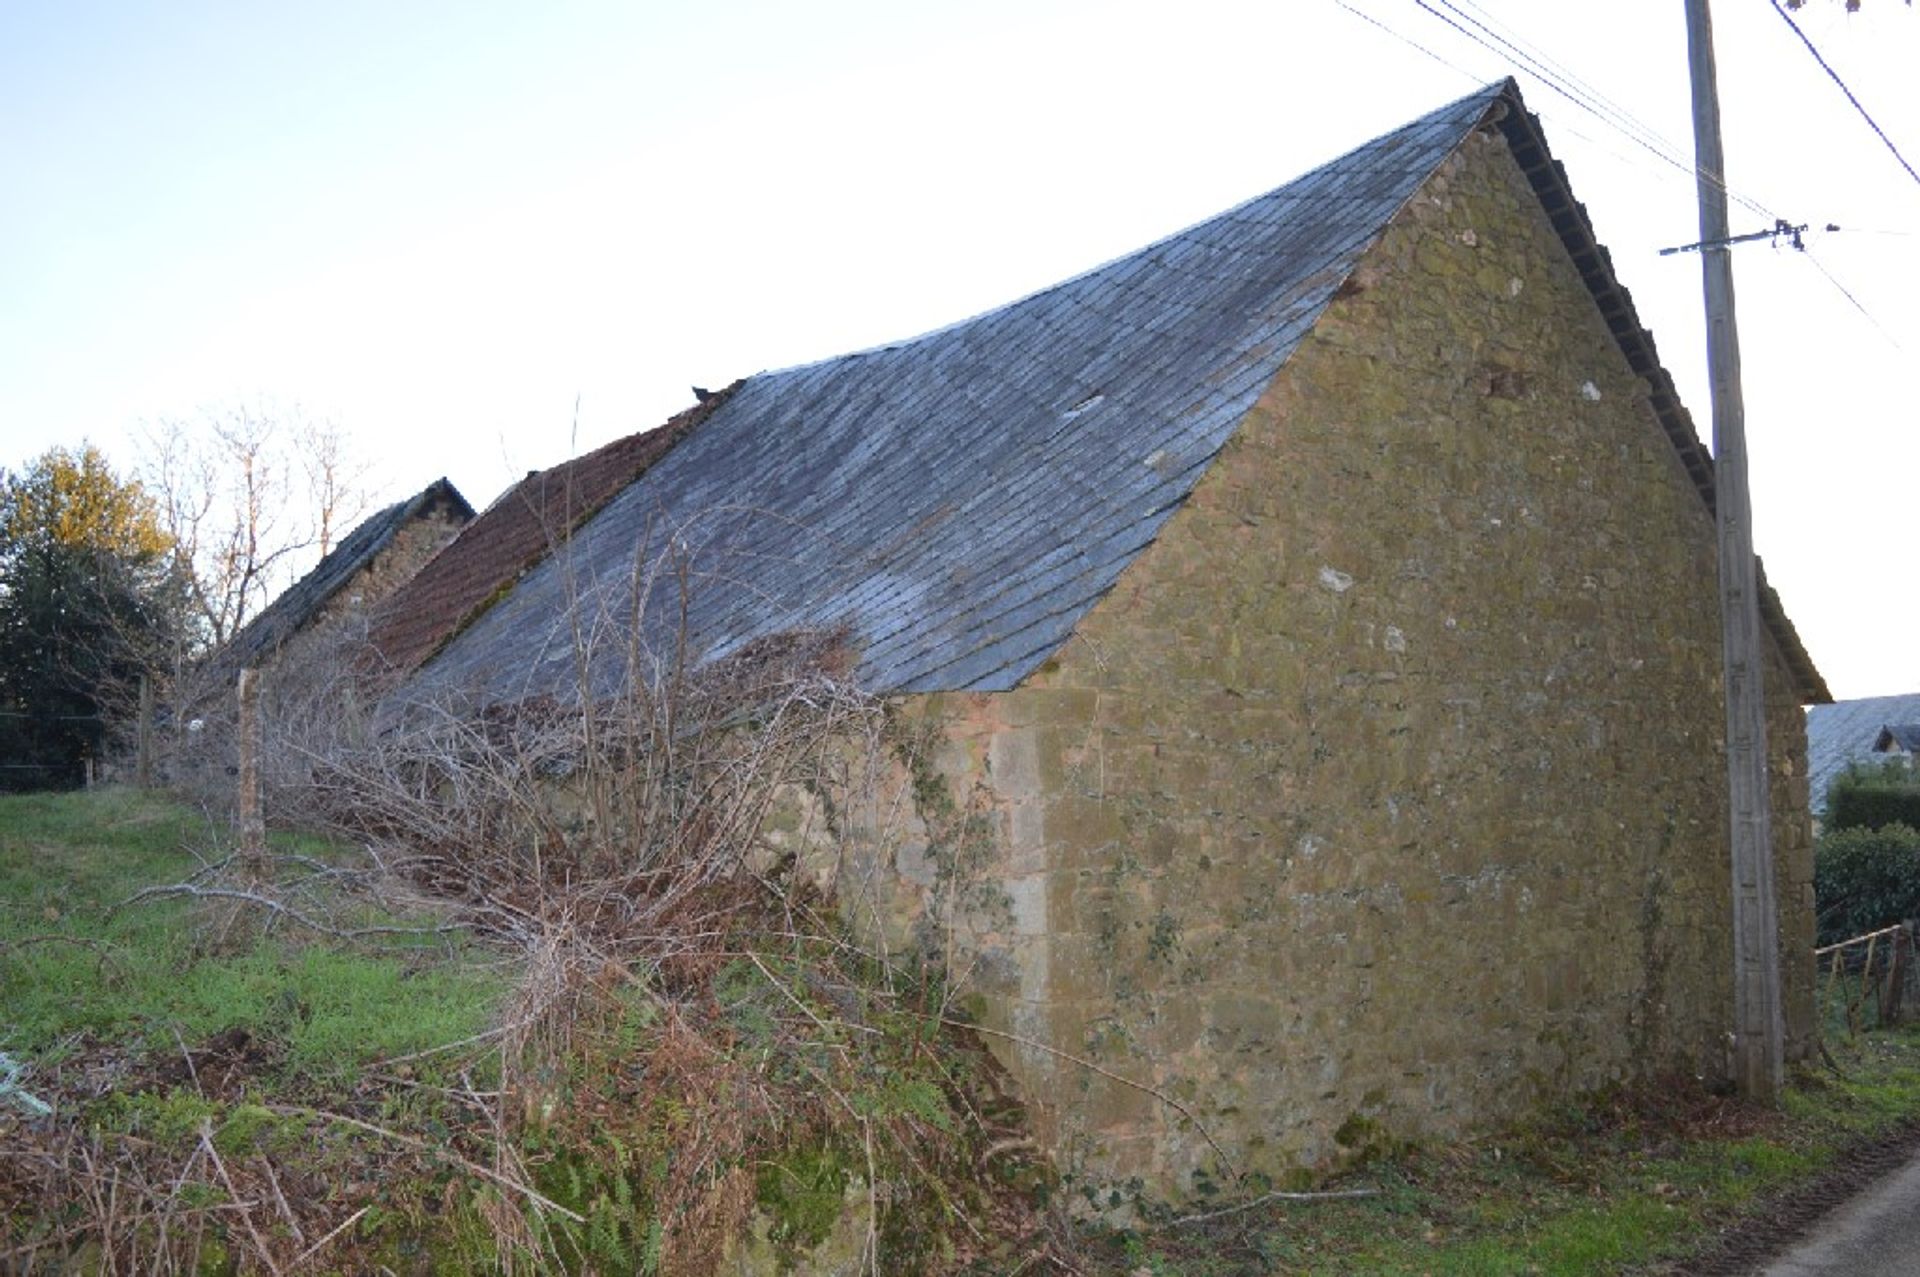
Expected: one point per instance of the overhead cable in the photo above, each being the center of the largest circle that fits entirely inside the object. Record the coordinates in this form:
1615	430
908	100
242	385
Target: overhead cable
1855	301
1645	138
1409	41
1835	77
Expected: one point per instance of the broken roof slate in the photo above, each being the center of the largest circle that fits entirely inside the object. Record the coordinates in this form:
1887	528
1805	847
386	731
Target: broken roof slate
958	501
302	601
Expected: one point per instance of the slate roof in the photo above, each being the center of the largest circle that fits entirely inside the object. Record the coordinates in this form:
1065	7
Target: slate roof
958	501
517	530
1845	732
281	619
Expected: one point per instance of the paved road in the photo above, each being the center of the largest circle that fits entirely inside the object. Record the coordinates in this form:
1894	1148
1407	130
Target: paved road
1877	1234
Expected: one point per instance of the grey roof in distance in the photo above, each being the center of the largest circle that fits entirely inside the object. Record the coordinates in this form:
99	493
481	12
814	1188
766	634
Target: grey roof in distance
1898	736
959	500
1845	732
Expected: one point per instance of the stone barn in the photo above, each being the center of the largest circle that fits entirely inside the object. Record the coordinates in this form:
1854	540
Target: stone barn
1315	615
1843	733
351	582
305	642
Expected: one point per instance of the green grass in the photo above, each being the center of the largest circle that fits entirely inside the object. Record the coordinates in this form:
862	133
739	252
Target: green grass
77	973
1609	1189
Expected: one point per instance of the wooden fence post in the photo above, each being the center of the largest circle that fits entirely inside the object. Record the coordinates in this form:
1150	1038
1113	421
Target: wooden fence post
253	828
1893	992
143	737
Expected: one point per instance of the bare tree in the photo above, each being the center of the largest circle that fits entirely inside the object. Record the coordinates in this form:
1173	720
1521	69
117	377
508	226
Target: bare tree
335	480
248	494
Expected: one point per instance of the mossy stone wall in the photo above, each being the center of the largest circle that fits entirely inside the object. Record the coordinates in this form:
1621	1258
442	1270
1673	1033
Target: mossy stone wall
1385	792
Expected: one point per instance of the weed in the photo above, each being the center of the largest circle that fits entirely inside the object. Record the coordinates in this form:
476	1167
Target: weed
1627	1180
170	1058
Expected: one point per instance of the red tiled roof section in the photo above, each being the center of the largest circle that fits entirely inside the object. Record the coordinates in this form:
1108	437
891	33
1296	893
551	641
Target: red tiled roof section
512	535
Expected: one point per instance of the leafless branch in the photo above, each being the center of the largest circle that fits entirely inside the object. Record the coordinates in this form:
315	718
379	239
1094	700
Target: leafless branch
1328	1195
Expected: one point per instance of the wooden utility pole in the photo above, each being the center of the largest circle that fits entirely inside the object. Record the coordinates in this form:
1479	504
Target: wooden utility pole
1758	1041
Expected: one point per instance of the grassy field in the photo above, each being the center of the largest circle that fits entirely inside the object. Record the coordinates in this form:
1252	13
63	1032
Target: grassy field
79	968
189	1046
210	1061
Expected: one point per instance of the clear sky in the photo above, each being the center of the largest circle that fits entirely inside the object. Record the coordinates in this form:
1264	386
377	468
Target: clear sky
444	225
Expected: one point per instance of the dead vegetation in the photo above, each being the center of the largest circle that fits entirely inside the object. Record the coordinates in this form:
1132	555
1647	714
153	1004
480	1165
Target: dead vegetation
697	1056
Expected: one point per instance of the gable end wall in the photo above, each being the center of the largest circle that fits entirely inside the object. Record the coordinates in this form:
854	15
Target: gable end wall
1385	790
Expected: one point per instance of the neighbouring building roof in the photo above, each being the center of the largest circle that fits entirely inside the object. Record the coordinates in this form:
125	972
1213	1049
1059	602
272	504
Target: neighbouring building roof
958	501
1845	732
523	526
304	600
1898	737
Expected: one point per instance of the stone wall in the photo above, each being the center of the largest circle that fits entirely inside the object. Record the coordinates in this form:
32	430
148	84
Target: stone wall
1384	793
310	670
418	540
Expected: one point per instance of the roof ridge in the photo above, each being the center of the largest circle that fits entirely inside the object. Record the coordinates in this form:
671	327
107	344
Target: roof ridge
513	534
1492	92
848	472
289	610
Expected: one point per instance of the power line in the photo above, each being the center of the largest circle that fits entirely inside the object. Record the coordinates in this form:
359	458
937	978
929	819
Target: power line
1646	137
1544	65
1835	77
1855	301
1595	103
1612	117
1409	41
1513	39
1795	237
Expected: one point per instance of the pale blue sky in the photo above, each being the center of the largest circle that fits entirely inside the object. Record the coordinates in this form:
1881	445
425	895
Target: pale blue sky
440	224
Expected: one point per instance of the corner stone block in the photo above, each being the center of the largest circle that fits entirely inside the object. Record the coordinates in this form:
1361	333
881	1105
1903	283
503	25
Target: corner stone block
1027	899
1026	837
1013	761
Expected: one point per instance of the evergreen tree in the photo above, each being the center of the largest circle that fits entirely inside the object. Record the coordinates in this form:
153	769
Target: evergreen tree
88	601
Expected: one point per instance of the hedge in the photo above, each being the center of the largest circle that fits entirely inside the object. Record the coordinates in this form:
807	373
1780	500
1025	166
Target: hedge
1865	879
1868	797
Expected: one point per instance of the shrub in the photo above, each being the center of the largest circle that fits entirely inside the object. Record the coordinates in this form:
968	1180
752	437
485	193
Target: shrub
1868	796
1866	878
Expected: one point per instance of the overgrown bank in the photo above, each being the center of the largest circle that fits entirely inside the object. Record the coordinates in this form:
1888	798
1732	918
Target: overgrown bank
319	1080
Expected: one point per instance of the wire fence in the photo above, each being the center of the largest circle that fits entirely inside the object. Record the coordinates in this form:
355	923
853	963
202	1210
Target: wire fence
1867	982
20	769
